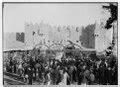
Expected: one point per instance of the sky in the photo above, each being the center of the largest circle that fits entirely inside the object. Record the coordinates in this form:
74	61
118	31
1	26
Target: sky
56	14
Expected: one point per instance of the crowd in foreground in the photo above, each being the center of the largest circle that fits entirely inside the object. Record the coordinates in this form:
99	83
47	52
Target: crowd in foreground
70	70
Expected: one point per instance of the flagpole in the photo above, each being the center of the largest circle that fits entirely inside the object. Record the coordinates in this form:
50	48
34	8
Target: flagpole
33	39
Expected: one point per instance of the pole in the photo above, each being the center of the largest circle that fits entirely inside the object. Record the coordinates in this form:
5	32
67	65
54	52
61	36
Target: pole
33	39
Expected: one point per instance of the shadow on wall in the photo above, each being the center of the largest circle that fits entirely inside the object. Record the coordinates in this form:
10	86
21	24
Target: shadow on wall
87	38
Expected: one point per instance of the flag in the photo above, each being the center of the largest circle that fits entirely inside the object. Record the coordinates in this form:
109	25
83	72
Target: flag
77	29
33	32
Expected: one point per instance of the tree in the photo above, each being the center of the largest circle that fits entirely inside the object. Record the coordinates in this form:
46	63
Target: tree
113	9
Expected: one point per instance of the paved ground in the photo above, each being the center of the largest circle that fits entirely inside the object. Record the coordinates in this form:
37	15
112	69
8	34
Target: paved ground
13	79
10	81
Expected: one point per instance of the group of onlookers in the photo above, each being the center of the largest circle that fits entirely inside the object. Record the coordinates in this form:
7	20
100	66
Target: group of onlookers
67	71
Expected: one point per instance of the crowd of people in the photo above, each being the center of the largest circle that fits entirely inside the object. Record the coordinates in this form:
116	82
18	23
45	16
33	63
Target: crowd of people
70	70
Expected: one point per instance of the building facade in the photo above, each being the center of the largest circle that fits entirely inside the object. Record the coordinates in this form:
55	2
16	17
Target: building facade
47	34
93	36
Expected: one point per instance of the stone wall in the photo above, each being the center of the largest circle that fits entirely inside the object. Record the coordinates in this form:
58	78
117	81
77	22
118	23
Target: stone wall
47	34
